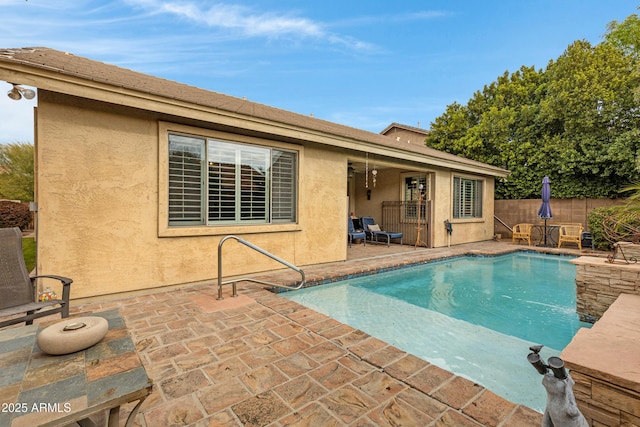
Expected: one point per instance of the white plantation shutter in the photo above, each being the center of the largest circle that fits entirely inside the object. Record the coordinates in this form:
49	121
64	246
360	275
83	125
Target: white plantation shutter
222	182
254	164
186	186
467	198
283	186
477	212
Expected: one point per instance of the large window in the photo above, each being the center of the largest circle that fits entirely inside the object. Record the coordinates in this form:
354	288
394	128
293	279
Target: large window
467	198
217	182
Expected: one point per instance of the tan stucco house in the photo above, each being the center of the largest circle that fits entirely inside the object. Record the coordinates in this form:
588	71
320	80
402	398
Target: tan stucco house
138	179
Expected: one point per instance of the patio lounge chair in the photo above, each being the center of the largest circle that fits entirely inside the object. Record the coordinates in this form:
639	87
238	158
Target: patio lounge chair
570	234
353	234
18	290
373	231
522	232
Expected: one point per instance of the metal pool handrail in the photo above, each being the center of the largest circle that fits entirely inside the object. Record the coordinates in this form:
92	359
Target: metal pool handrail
263	252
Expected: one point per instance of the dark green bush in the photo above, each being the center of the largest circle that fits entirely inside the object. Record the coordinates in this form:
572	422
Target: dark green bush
595	221
13	214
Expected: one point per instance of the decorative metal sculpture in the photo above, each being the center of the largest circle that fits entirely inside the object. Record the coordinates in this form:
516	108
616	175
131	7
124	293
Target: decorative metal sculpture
617	249
561	410
621	227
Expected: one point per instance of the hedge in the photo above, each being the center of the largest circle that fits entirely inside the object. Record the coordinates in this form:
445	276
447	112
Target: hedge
14	214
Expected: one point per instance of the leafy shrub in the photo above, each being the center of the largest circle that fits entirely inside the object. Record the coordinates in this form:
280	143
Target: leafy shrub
595	220
13	214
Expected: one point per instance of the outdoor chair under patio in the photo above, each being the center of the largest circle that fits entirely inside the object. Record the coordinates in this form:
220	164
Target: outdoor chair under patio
570	234
522	232
353	234
373	231
18	291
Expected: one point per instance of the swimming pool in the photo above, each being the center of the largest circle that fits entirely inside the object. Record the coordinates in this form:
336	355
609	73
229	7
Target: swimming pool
474	316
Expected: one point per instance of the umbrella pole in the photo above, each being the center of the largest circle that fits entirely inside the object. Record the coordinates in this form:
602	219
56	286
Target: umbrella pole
545	232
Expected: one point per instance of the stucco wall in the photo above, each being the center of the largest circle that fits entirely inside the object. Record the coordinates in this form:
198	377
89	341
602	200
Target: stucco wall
464	230
98	194
387	188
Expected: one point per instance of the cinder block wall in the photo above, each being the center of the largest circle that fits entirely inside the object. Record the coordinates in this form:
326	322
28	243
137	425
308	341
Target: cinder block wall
564	211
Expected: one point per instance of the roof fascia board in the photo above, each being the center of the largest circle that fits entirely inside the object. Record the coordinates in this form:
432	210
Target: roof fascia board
429	160
90	89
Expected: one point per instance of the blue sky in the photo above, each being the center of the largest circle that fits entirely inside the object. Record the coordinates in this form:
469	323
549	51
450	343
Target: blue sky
359	63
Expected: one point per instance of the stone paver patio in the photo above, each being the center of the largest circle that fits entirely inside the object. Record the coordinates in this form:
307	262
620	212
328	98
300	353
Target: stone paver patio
262	360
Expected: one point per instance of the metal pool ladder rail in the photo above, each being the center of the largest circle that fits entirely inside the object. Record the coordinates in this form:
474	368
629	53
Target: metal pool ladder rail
263	252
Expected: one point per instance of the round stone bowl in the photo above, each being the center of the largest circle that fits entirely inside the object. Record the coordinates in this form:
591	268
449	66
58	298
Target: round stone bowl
72	335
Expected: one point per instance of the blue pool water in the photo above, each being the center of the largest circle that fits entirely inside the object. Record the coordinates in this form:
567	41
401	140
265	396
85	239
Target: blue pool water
474	316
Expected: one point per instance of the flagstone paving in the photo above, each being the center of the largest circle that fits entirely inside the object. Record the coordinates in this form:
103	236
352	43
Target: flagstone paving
262	360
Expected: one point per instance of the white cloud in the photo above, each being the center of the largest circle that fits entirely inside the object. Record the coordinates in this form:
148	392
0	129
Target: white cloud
235	17
248	22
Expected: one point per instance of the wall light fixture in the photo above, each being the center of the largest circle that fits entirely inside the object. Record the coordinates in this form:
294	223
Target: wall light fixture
17	92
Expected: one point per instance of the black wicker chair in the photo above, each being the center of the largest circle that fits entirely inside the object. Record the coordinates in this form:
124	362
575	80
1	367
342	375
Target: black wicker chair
18	296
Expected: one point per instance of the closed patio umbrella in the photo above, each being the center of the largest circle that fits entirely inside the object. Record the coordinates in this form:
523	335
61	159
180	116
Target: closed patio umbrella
545	208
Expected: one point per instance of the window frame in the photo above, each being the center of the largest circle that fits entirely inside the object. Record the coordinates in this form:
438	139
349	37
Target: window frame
476	204
167	230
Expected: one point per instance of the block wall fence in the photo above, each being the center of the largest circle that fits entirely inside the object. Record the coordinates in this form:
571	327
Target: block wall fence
514	212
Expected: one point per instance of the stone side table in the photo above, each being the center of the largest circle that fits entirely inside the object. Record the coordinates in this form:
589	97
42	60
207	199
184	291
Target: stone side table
44	390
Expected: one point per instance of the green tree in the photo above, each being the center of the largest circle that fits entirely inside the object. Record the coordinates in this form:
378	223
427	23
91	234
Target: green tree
625	35
590	110
576	121
16	171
